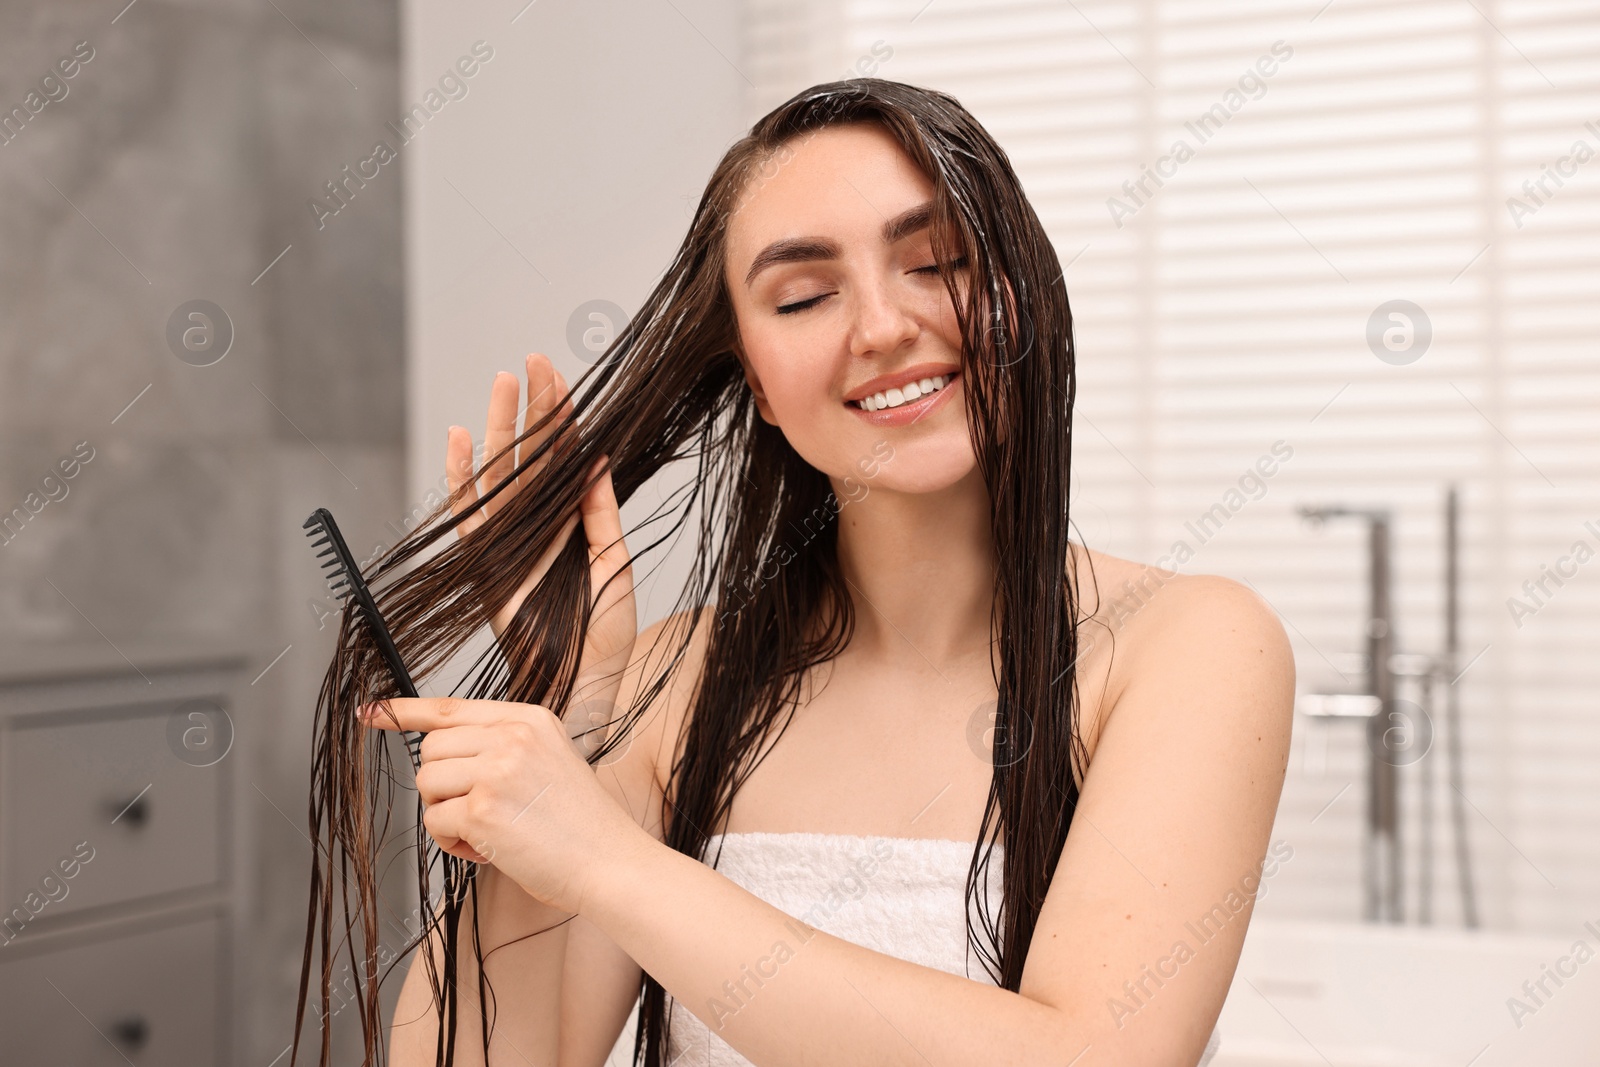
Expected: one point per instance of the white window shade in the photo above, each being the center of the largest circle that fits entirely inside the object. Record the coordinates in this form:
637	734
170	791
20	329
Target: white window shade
1230	312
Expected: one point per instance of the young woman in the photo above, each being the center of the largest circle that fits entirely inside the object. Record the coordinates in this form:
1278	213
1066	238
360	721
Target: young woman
886	681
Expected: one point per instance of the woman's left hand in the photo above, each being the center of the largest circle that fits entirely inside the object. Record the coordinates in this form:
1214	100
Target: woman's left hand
504	783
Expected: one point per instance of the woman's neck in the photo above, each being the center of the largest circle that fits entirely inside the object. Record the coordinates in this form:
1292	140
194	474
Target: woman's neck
921	569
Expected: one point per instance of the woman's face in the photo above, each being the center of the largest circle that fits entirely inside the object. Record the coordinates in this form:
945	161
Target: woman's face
838	298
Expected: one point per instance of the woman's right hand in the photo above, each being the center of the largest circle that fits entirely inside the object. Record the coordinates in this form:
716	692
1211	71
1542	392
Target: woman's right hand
608	645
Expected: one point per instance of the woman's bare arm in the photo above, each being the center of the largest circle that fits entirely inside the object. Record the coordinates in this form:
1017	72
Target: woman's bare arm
559	997
1168	838
524	974
600	983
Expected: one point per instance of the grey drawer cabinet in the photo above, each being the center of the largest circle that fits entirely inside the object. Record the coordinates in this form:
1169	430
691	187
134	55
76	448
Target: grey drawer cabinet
122	856
149	995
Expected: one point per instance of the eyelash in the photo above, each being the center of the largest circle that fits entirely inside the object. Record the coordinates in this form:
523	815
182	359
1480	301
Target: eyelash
790	309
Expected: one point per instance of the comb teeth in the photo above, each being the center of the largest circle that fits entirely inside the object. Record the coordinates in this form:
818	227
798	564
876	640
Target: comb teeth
334	571
345	581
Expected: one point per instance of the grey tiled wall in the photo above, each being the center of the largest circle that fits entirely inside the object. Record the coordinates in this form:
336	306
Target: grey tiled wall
178	166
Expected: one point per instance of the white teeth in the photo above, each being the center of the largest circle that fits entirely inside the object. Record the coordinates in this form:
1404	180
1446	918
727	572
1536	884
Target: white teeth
893	398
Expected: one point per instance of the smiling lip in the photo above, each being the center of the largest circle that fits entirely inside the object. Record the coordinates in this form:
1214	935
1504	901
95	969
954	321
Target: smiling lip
917	372
906	414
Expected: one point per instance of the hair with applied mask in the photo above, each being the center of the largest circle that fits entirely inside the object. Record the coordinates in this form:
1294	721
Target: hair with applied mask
670	389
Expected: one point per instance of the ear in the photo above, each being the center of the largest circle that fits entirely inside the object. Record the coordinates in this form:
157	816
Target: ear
753	380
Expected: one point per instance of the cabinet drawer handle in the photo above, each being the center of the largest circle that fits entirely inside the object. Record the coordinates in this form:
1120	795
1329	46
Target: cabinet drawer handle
131	1033
135	812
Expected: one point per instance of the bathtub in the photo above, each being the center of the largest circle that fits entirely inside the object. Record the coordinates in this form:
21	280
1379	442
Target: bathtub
1385	996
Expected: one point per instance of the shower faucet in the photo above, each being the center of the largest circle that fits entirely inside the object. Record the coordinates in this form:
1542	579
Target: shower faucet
1381	867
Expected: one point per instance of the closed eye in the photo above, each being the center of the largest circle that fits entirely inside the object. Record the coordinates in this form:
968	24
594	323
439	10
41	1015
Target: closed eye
790	309
933	268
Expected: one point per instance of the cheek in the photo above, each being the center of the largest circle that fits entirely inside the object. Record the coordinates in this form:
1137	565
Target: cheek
797	377
804	412
944	319
797	392
795	373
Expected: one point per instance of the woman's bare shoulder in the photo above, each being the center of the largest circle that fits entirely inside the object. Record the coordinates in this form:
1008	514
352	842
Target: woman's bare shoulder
1155	619
674	647
1114	593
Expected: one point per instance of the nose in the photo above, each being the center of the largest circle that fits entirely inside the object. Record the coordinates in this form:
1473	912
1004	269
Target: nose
883	319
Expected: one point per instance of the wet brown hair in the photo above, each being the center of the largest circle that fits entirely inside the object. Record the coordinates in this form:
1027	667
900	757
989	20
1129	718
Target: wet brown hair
668	389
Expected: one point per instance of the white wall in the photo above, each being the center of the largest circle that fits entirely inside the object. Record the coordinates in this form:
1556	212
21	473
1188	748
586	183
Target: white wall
567	173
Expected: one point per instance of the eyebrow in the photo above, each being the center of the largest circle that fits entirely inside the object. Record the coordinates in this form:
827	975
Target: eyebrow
801	249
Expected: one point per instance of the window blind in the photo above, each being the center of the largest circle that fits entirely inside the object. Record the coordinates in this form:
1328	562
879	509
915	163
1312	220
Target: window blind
1240	193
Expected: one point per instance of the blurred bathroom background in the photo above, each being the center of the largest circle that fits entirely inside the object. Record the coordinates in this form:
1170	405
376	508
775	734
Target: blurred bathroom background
1333	265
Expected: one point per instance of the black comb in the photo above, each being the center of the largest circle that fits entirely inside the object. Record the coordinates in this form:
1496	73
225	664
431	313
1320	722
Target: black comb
344	578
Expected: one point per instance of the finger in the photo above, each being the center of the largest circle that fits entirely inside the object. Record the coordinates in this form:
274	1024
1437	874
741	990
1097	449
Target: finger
441	713
457	742
445	823
547	389
571	436
602	524
458	473
500	432
440	780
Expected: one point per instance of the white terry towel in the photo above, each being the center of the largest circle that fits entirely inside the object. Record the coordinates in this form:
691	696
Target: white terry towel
896	895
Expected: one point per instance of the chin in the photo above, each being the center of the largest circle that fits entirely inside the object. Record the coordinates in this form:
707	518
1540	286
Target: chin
925	466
